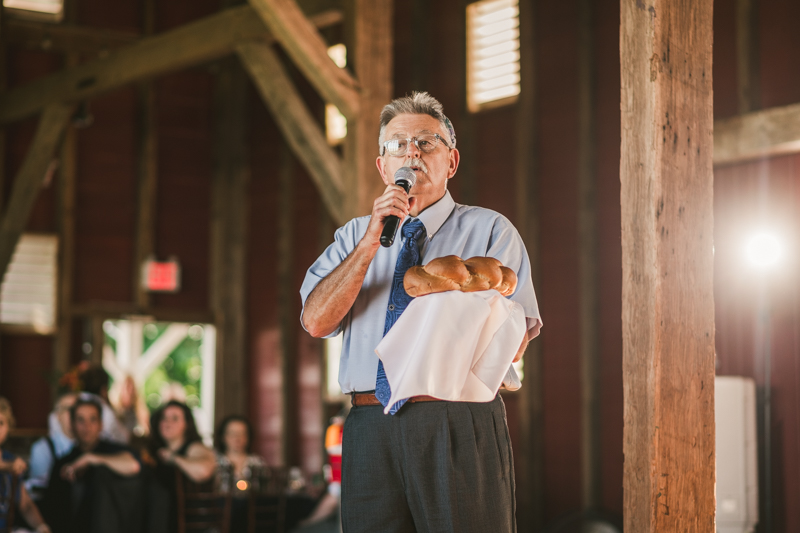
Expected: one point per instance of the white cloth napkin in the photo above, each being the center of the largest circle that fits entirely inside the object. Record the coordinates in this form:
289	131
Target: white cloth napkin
454	345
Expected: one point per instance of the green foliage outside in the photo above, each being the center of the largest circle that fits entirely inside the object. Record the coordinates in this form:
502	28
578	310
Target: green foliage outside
179	375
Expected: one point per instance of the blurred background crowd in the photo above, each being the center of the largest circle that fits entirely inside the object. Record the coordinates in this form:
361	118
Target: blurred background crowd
109	464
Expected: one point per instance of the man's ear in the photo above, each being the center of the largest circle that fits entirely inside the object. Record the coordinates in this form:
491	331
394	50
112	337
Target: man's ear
381	164
455	158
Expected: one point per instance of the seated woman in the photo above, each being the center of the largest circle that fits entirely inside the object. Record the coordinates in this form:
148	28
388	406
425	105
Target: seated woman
11	466
175	444
238	468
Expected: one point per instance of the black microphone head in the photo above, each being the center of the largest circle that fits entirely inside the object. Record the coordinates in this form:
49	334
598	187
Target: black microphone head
405	174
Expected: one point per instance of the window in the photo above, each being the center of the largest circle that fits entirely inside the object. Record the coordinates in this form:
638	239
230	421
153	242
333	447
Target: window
43	10
28	292
492	53
335	122
166	361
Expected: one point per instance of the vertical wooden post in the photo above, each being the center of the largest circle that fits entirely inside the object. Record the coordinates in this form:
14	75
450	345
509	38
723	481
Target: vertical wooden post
530	495
229	237
667	260
587	242
287	320
68	170
373	64
147	179
68	176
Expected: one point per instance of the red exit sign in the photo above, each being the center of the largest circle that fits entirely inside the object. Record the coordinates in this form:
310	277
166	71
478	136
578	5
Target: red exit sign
161	276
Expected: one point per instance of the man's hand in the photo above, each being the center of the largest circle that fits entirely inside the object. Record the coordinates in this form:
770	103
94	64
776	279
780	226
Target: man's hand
521	351
393	201
71	471
332	299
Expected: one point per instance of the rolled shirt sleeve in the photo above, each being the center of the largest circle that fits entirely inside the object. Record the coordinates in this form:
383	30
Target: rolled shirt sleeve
506	245
345	240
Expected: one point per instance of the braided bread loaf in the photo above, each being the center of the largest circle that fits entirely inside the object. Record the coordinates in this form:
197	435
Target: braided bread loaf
451	273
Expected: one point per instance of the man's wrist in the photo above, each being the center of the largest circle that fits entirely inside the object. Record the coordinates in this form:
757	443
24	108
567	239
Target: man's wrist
366	250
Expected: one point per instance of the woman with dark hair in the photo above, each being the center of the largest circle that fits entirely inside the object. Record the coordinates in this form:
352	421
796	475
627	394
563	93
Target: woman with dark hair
175	444
238	468
232	441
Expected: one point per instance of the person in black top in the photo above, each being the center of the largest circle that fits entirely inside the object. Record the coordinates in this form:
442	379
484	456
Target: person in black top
96	487
175	444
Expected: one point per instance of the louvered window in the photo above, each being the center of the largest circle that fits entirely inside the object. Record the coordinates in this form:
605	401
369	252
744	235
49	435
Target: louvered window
492	53
28	292
44	10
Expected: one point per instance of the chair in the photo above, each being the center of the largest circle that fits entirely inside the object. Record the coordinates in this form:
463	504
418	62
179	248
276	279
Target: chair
8	503
200	506
266	505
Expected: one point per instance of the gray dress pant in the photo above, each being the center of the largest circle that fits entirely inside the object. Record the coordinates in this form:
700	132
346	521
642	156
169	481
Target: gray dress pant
433	467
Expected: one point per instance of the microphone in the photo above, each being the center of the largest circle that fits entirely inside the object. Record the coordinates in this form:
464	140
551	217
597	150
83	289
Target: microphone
405	178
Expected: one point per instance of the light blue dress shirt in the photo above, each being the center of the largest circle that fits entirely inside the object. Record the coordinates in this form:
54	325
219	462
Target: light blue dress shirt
42	460
452	229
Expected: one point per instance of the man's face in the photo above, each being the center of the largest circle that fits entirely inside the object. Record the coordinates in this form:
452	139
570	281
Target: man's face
87	426
441	164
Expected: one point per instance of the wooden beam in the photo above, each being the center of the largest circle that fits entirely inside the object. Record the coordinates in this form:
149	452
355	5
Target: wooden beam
667	260
38	162
588	264
530	457
303	43
229	237
300	129
68	38
372	59
125	309
765	133
209	38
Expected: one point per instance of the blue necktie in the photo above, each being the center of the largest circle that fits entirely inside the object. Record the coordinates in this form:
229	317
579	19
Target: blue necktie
398	301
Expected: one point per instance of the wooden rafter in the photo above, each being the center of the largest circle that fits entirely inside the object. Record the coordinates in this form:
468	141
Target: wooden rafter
301	130
766	133
29	180
194	43
65	37
301	40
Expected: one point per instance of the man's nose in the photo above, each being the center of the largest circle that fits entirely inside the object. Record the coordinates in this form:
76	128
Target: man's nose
413	150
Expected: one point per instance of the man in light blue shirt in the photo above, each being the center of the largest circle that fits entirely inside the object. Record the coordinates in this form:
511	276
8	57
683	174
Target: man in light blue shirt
434	466
47	450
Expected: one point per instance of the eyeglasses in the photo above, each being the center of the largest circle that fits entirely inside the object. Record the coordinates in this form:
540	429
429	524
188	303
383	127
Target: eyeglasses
426	143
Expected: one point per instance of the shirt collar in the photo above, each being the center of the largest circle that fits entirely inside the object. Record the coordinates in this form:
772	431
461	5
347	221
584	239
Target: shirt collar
434	215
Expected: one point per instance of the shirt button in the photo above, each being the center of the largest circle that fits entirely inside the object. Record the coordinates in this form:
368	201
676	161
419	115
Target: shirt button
391	307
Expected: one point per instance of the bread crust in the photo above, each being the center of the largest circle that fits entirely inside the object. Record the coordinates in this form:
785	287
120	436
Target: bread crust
451	273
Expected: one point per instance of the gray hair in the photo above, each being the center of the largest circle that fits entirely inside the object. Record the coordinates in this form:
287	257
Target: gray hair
419	103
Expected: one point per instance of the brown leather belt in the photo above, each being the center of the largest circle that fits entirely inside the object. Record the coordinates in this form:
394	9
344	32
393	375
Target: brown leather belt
363	399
